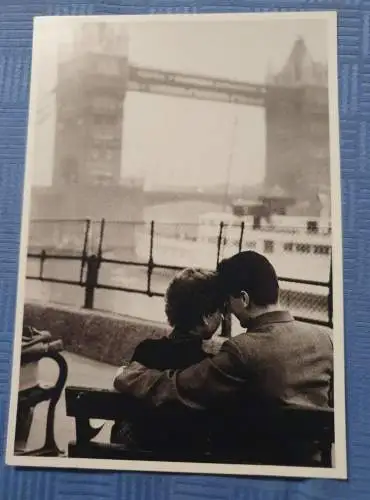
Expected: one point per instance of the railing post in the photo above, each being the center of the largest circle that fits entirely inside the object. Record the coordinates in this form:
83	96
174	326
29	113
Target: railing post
42	262
330	295
92	274
84	249
226	320
150	260
242	226
219	242
101	238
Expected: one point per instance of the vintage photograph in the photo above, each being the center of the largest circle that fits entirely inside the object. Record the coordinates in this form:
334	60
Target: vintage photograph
180	294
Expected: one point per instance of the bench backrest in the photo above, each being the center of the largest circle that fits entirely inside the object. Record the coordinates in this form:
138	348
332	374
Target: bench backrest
288	428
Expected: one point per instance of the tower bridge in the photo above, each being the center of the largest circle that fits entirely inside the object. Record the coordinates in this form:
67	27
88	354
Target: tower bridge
90	94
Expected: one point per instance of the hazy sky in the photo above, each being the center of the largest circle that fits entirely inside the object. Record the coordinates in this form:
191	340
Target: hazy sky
177	140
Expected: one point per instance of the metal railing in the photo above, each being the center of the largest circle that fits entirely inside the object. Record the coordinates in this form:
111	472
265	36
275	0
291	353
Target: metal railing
90	266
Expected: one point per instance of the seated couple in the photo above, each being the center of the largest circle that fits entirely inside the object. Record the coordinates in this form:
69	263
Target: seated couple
277	361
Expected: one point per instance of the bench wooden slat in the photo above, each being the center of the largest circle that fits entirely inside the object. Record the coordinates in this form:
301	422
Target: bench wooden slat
82	402
285	425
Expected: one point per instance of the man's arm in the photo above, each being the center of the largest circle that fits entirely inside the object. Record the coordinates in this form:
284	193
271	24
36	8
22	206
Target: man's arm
201	386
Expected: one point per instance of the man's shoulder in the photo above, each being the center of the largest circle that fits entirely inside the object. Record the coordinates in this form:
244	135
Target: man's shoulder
311	331
247	338
235	346
247	344
281	332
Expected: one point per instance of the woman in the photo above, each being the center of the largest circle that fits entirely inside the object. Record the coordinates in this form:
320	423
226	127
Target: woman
194	310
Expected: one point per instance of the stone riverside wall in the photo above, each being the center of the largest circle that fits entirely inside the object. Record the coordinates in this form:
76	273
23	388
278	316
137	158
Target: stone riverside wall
96	335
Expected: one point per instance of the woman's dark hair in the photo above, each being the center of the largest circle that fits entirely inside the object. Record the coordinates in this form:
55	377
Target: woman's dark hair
191	295
251	272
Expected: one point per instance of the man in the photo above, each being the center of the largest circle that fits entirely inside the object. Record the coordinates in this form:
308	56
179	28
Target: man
277	360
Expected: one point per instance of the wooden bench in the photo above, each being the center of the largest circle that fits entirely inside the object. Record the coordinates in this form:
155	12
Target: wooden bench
284	436
36	346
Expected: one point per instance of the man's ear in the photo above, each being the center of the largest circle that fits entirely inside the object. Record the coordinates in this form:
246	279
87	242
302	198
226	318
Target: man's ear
245	298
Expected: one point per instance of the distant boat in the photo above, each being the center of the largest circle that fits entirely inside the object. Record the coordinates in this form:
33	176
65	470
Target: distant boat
298	247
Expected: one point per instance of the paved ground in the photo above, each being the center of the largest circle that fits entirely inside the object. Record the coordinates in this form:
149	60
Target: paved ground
82	371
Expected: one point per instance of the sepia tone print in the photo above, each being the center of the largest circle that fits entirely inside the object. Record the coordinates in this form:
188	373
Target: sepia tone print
182	258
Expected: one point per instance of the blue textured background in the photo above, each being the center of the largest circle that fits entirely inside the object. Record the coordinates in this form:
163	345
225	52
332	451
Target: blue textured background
354	69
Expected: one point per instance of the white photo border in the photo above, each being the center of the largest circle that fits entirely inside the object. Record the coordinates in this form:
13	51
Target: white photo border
339	470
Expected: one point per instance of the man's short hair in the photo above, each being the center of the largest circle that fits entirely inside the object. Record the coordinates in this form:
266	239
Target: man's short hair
191	295
251	272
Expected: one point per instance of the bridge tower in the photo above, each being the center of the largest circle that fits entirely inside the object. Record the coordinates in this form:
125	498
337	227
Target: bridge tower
297	130
90	95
